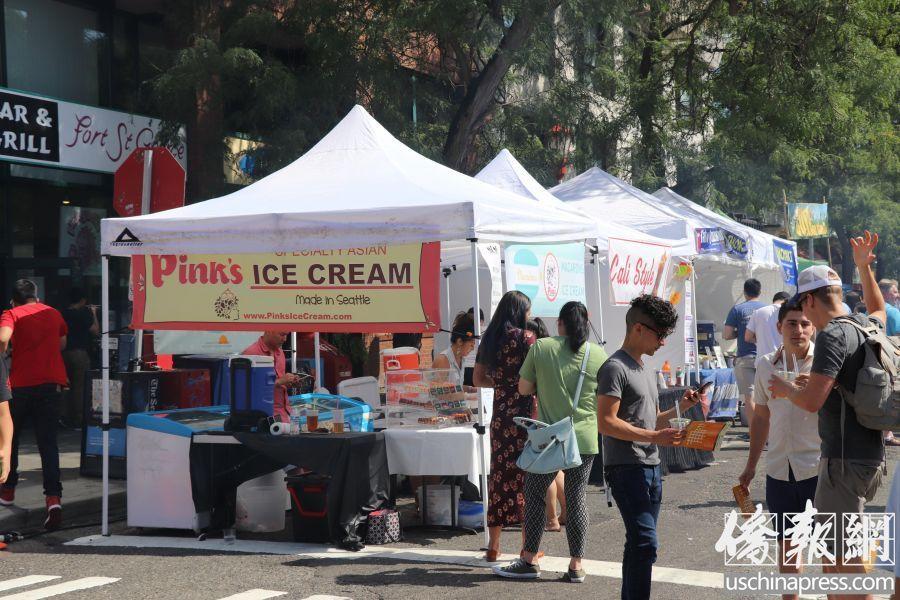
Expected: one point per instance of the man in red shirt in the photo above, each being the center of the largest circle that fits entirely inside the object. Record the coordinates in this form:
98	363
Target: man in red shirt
38	336
269	344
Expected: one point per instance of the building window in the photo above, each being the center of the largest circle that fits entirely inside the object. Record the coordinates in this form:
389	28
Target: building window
55	48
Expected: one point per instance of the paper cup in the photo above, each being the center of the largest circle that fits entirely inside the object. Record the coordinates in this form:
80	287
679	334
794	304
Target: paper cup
679	424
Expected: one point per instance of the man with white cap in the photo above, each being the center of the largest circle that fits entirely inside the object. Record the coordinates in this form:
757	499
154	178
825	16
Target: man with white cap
852	455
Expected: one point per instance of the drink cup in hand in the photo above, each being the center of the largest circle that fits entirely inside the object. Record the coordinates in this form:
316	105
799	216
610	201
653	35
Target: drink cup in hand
679	424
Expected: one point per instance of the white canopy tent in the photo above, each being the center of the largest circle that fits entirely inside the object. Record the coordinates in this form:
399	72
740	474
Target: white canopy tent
358	186
506	172
720	278
611	200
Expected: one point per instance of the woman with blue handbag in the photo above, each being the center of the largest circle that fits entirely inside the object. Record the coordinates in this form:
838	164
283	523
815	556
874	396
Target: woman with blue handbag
562	371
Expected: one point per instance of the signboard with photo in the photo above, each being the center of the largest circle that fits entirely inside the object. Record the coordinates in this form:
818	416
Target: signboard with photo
807	220
549	274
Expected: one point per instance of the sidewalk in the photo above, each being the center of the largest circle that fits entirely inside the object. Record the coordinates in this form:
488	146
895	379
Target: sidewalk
82	496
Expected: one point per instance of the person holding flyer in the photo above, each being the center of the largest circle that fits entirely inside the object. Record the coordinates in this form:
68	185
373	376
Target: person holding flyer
633	428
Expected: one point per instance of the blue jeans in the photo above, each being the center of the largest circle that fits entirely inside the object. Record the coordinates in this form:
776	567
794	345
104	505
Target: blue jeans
637	490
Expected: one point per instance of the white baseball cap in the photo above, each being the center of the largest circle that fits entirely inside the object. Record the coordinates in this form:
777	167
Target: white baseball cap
815	277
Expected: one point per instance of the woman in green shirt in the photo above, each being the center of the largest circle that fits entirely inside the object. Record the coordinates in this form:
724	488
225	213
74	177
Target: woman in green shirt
552	370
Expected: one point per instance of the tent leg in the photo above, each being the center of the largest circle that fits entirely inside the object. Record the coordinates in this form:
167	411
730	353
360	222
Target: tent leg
318	357
104	352
447	286
596	253
293	352
480	428
694	311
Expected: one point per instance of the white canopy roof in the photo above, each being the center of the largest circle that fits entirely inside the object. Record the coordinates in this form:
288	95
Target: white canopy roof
505	172
358	186
611	201
762	251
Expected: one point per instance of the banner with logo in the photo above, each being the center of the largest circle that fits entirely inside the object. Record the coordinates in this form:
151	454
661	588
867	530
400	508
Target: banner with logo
40	130
370	289
709	240
807	220
786	255
636	268
549	274
716	240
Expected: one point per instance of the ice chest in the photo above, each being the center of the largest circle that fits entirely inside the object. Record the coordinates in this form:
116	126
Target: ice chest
357	414
253	384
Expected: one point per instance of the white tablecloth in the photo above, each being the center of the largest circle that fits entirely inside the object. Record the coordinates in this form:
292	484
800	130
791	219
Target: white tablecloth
449	451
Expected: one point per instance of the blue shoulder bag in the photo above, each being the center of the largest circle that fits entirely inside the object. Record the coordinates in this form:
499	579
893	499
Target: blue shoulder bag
552	448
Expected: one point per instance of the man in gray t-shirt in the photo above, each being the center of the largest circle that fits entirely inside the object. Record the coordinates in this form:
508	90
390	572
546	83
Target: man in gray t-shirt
623	377
852	455
628	417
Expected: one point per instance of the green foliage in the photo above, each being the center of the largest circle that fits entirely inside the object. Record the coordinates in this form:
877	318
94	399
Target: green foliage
732	101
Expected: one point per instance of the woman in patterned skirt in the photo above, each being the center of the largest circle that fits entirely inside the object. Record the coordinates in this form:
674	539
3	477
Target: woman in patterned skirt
504	345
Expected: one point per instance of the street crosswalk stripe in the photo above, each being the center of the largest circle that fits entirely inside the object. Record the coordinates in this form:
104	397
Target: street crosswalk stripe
10	584
255	594
61	588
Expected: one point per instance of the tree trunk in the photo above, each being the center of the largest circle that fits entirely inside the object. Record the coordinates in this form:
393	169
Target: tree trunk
206	129
478	102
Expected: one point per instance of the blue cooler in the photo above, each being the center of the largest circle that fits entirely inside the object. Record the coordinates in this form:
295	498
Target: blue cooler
357	414
252	392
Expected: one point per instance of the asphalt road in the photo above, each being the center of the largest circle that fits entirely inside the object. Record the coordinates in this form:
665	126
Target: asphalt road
691	521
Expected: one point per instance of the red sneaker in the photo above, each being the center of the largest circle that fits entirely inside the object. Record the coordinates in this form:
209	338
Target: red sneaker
54	513
7	496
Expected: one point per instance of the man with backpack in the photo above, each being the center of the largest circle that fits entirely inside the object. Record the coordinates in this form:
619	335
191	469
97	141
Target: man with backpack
854	404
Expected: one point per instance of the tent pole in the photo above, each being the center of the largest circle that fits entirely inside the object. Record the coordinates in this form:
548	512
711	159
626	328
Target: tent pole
318	358
480	426
146	192
104	353
293	352
694	311
595	251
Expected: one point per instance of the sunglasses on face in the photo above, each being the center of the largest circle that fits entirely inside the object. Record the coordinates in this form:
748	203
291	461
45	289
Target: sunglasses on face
659	335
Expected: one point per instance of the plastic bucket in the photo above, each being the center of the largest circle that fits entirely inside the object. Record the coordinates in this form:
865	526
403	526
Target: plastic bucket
470	514
260	503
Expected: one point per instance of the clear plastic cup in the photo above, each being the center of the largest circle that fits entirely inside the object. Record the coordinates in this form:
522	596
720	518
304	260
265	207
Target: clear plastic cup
679	424
337	416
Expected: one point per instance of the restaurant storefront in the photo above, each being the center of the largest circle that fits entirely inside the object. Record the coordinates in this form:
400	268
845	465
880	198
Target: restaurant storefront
71	110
